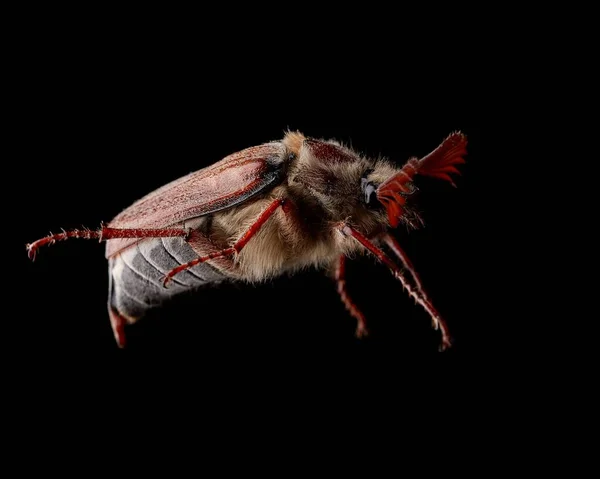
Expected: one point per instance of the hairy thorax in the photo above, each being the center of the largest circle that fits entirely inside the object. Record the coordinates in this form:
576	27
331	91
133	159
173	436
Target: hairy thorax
296	237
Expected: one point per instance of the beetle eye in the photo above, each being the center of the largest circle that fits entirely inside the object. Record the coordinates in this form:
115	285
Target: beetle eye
370	193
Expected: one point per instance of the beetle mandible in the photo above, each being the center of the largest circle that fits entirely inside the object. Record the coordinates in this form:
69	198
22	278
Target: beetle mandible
261	212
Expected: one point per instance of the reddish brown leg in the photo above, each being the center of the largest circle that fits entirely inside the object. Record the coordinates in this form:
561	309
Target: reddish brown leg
236	248
438	322
118	324
104	233
399	252
340	277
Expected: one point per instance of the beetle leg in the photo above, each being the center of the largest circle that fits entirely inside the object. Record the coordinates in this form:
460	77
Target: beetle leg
118	324
104	233
399	252
237	247
340	278
437	321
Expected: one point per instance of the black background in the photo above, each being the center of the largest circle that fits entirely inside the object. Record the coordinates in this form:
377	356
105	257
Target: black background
103	105
103	120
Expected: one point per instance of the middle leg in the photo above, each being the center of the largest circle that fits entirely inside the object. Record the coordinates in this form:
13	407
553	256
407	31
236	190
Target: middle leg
340	278
237	247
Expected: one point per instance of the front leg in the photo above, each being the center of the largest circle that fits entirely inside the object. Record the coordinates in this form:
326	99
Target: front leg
416	294
340	278
391	242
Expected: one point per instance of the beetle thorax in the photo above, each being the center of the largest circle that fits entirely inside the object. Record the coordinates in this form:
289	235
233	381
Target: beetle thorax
326	177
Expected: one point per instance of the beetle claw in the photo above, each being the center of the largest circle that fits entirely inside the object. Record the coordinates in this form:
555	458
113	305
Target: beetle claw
165	280
445	344
361	330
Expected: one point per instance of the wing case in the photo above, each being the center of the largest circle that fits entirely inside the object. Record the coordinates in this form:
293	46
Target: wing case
222	185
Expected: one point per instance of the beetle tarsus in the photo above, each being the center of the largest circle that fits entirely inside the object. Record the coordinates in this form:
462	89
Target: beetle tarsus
53	238
361	330
395	247
340	277
194	262
30	251
104	233
446	343
167	277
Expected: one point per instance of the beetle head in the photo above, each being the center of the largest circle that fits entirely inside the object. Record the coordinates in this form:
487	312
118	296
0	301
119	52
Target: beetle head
338	180
372	192
442	161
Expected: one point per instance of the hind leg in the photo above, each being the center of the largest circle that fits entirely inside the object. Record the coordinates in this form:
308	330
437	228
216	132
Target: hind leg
118	323
120	312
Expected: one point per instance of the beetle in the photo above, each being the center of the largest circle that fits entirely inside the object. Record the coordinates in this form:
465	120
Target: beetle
261	212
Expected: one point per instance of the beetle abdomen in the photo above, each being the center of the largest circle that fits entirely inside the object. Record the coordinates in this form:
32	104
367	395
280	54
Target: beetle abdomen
137	275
